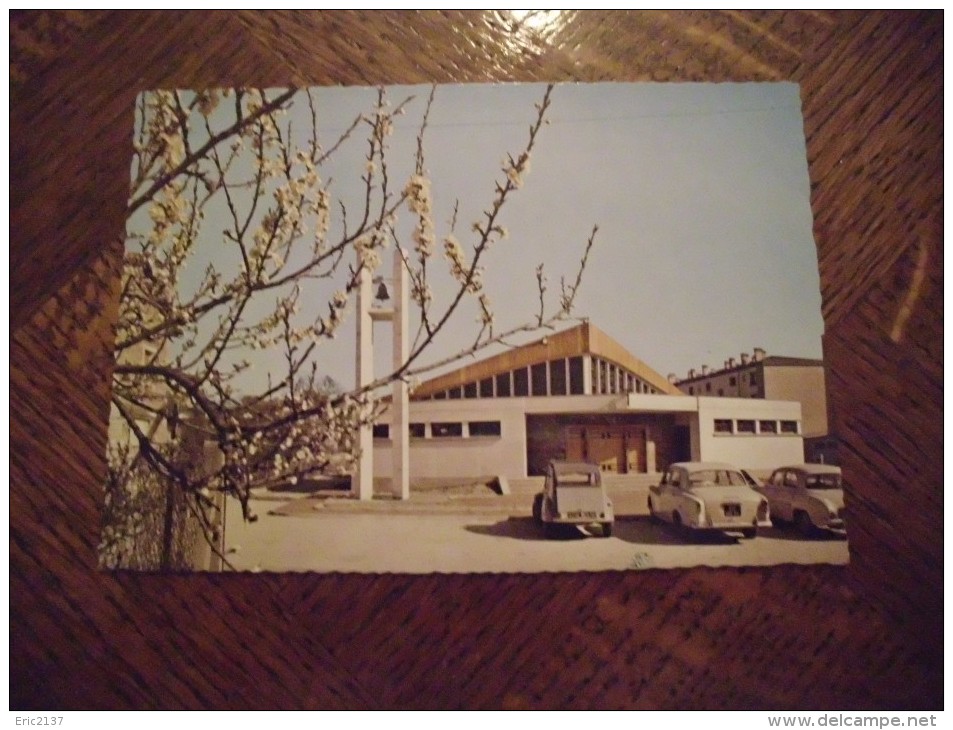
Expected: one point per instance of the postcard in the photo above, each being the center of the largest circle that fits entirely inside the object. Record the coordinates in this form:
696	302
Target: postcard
470	328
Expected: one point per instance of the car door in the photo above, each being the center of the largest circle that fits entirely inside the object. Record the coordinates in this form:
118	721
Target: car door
788	494
678	496
772	490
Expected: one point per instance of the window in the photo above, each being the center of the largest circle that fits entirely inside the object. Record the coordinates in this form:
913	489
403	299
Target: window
691	390
721	392
485	428
557	377
822	481
486	388
753	379
788	426
716	477
576	376
381	431
768	426
417	430
470	390
538	373
708	387
454	393
446	430
732	380
442	395
745	426
520	382
723	425
503	385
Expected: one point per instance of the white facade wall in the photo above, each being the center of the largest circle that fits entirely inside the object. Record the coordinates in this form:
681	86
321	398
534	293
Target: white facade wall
462	457
468	456
478	457
756	451
661	403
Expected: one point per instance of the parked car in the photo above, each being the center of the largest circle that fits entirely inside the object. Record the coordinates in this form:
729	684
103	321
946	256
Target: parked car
573	494
703	495
809	496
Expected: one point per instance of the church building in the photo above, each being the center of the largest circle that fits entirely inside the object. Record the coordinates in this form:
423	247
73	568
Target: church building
580	395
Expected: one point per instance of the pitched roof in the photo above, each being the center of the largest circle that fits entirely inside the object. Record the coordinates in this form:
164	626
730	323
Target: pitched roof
583	339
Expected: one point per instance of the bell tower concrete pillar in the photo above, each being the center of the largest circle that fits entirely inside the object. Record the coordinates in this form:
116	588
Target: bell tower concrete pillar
362	484
400	399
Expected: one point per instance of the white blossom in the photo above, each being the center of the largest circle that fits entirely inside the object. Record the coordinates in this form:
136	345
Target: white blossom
417	191
516	169
279	235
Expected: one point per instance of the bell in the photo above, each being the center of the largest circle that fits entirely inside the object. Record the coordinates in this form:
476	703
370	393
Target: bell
382	294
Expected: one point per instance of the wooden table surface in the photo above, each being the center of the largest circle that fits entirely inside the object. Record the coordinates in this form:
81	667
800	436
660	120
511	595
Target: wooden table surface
865	636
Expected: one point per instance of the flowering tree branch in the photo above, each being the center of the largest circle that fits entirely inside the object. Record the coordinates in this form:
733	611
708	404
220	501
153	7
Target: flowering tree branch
182	383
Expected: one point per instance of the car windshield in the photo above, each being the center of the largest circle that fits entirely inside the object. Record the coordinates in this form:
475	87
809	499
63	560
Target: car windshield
716	478
574	479
823	481
750	478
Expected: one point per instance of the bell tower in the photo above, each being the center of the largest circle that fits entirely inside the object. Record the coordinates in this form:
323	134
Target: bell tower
393	311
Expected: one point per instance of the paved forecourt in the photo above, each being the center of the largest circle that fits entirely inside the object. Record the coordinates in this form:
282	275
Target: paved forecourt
455	541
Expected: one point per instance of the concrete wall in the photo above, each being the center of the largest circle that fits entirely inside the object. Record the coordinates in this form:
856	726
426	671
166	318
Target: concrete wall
803	384
757	451
661	403
461	457
482	456
466	456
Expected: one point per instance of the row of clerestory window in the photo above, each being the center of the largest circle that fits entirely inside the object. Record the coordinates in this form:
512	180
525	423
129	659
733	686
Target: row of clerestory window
565	376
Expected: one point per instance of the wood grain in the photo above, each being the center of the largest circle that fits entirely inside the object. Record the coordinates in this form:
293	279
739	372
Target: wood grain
868	636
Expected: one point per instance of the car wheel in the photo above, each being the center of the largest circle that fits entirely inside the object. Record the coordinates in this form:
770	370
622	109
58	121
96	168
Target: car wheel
749	533
538	508
803	523
607	529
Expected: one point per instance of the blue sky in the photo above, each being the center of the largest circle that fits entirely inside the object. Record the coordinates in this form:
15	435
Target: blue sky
700	191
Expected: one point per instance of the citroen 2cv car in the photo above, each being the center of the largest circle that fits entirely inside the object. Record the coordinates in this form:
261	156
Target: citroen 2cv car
809	496
708	496
573	494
